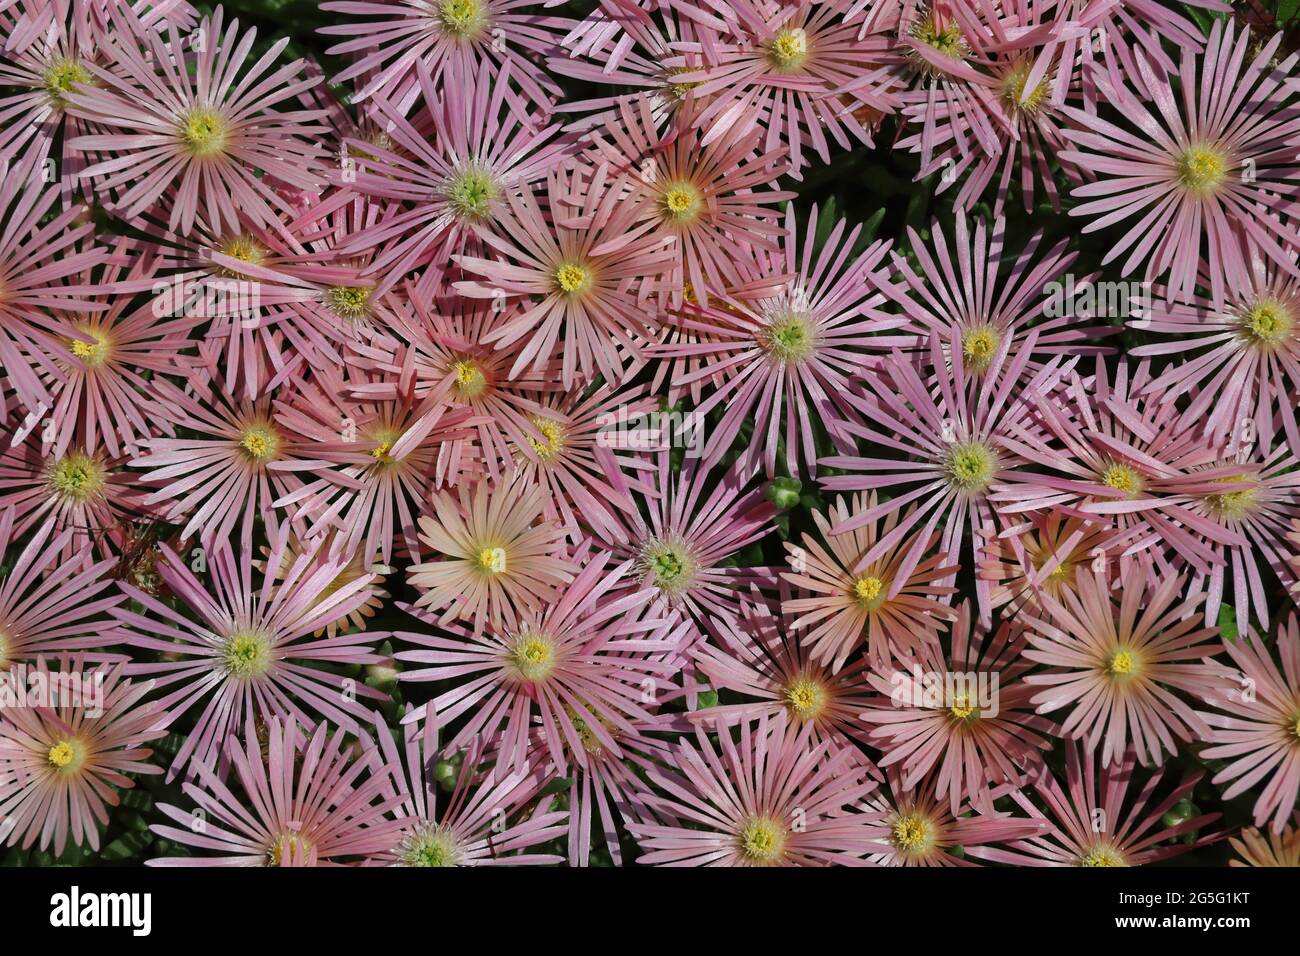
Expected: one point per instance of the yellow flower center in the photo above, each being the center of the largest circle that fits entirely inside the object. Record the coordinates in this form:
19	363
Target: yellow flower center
533	656
204	132
1122	478
913	833
61	75
947	39
295	843
970	466
762	840
788	50
77	477
67	756
555	436
429	845
348	302
1266	323
681	202
868	590
470	380
244	248
462	19
246	654
492	560
806	697
1012	89
260	442
1121	664
1202	169
789	338
963	709
1233	505
1101	855
573	279
978	346
93	353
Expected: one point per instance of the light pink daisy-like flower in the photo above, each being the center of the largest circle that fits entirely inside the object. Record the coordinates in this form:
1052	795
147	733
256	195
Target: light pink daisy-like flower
965	715
456	164
1265	501
306	803
788	342
197	125
386	449
918	828
359	565
437	35
589	270
686	530
569	451
1205	171
1099	819
758	653
250	653
495	557
1118	662
40	248
1259	732
966	289
1267	849
844	600
62	764
957	441
772	797
103	394
83	491
51	605
1111	449
492	814
1240	362
588	660
710	198
235	462
776	66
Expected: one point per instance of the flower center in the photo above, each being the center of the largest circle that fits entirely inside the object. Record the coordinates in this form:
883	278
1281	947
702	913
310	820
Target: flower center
470	380
970	466
260	442
492	560
869	591
533	656
978	346
1122	664
67	756
1233	505
93	353
573	279
204	132
462	19
1012	89
963	709
671	564
762	840
947	39
294	843
913	832
348	302
429	845
244	248
382	452
246	654
555	437
788	50
681	202
1102	855
1202	169
788	338
471	193
1266	323
77	477
62	75
806	698
1122	478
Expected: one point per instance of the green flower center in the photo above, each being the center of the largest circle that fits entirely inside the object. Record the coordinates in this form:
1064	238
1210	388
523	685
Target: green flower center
348	302
789	338
1266	323
462	19
970	466
62	75
1233	505
246	654
671	563
947	39
77	477
1202	169
429	845
1012	89
788	50
1102	855
762	840
978	346
470	380
260	442
204	132
93	353
471	193
533	656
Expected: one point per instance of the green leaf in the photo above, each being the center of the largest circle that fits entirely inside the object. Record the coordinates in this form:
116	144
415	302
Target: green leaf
1228	622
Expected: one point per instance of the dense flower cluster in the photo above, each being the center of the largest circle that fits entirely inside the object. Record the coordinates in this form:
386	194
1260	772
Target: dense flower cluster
505	451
